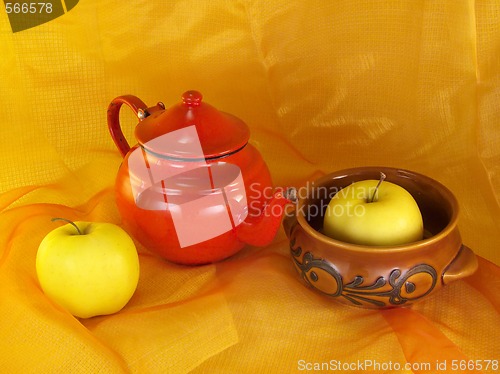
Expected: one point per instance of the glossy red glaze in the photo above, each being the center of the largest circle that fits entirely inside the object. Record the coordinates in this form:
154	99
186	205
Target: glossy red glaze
155	229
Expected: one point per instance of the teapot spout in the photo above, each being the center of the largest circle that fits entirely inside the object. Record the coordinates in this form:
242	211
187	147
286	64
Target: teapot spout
260	231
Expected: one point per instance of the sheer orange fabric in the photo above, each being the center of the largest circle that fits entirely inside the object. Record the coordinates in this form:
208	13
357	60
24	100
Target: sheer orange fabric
323	85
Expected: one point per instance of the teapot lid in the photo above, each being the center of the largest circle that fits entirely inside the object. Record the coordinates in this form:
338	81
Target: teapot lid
169	132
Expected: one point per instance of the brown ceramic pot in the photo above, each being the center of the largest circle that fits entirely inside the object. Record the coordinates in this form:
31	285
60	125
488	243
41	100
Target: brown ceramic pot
372	276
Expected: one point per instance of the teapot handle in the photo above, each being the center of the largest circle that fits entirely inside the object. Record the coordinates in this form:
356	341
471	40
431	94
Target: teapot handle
139	108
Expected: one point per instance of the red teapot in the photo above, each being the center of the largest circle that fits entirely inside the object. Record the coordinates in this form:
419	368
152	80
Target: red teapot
193	190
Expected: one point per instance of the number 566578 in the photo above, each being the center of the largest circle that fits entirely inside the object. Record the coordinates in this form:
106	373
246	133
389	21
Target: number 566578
31	7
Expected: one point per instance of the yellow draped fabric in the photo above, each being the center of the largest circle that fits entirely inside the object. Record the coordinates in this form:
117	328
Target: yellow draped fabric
323	85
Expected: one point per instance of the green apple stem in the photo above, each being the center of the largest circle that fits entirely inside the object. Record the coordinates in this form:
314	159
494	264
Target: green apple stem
382	177
68	221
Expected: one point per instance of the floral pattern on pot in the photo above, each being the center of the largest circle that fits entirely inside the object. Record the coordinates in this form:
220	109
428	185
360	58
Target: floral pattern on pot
394	290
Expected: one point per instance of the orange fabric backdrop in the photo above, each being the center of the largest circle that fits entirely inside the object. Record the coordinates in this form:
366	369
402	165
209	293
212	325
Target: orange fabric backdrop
323	85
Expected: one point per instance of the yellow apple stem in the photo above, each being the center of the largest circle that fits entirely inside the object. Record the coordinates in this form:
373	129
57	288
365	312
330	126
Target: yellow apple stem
68	221
382	177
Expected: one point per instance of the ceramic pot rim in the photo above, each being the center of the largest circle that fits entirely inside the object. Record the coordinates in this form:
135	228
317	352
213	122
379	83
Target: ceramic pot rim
431	183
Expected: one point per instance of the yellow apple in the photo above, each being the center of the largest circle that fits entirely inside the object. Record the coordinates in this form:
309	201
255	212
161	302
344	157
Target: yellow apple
88	268
373	213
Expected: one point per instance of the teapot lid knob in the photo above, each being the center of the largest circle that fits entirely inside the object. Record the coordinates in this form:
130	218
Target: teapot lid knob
192	98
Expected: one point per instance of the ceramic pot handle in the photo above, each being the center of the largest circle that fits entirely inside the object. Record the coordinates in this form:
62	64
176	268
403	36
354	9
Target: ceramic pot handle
137	105
463	265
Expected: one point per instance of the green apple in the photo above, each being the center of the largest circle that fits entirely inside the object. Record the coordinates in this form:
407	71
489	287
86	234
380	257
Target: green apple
373	213
88	268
